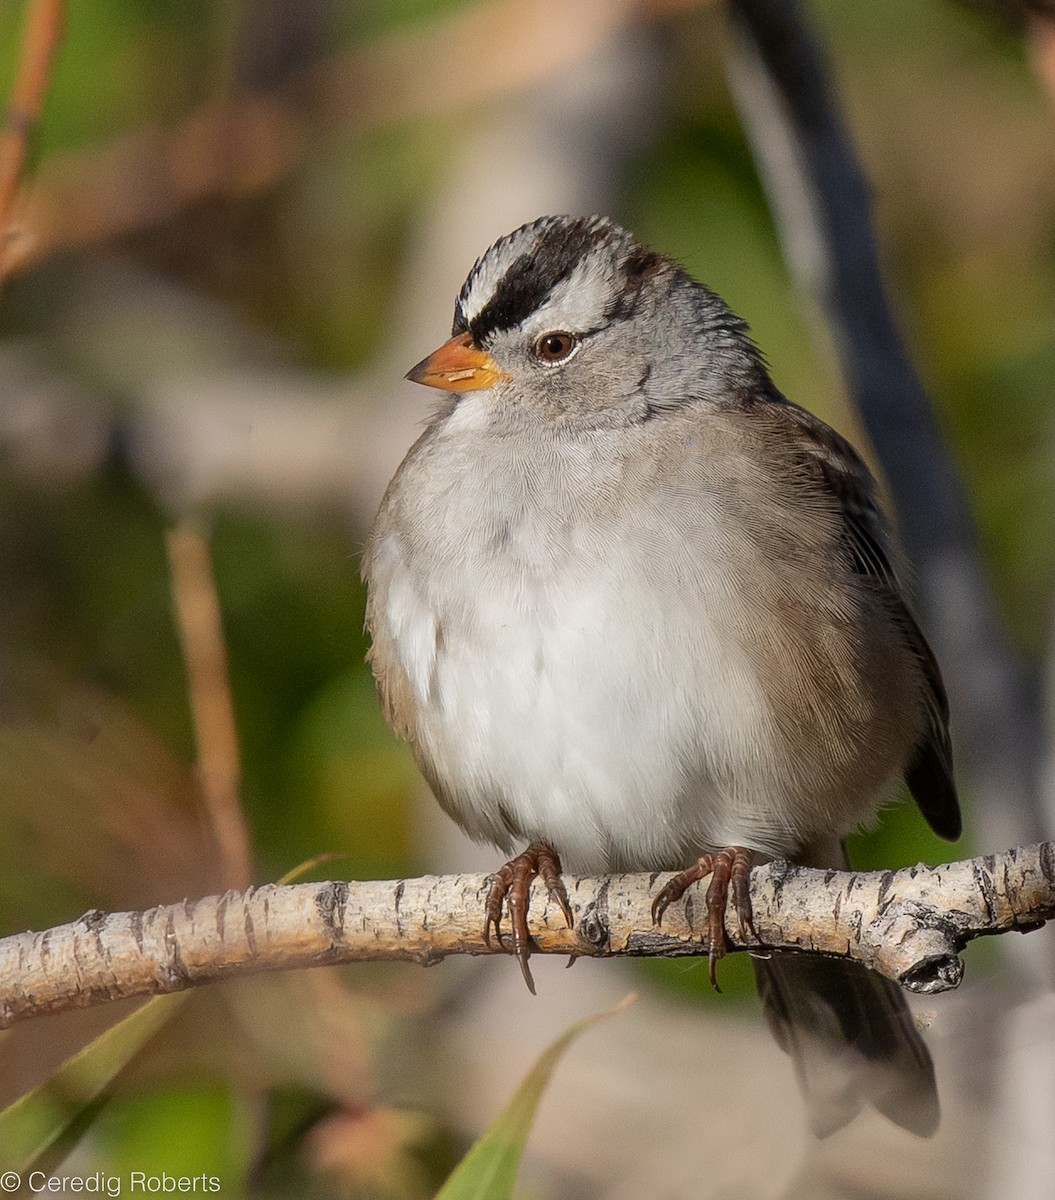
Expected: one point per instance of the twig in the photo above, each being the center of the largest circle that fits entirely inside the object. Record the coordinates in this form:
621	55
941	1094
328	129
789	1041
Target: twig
43	30
201	635
1040	43
910	925
250	142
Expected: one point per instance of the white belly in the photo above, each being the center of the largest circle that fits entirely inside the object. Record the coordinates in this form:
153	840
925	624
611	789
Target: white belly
596	708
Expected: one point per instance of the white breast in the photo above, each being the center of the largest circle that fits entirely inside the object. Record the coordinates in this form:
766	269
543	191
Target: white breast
583	687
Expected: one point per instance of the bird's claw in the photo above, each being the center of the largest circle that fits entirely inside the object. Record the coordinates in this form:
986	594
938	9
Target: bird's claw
730	869
511	885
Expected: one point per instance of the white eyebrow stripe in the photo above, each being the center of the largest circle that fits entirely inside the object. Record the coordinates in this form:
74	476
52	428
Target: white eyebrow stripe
578	303
489	274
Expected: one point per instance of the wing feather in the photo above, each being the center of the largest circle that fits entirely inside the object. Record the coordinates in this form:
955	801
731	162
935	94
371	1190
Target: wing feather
824	453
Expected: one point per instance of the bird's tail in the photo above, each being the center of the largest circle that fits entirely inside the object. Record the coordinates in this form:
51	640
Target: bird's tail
852	1040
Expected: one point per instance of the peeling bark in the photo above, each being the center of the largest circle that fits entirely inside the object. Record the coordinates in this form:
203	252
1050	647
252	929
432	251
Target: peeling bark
909	925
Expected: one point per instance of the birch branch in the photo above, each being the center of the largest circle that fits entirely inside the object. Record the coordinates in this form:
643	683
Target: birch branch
909	925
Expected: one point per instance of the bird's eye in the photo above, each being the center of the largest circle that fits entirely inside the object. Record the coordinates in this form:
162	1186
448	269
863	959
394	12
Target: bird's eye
552	347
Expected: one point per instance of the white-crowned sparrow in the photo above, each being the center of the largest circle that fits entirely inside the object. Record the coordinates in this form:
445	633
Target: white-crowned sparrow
632	606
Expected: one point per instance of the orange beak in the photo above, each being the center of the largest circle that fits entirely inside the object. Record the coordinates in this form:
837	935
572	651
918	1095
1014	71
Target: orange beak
457	366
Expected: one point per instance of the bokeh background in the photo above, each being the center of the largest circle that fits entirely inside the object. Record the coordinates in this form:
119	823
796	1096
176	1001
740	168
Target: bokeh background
243	223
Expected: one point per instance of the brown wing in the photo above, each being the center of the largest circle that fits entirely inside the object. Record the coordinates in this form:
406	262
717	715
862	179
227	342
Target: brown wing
929	773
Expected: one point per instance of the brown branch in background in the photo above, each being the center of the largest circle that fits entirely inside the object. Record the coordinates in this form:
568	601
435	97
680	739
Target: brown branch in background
247	144
197	611
910	925
43	31
1040	42
821	202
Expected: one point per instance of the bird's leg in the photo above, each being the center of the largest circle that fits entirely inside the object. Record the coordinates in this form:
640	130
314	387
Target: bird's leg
512	885
729	869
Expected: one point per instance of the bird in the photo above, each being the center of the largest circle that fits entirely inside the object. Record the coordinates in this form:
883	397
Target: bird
630	605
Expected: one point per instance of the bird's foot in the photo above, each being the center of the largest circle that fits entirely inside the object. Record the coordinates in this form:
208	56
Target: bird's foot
512	885
730	870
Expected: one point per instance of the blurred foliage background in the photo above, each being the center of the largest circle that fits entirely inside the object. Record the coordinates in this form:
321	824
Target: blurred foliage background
224	262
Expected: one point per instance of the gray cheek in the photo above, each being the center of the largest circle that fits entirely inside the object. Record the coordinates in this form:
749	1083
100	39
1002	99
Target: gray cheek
616	382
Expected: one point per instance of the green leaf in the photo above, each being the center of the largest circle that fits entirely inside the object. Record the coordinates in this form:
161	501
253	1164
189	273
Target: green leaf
488	1171
39	1129
302	869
